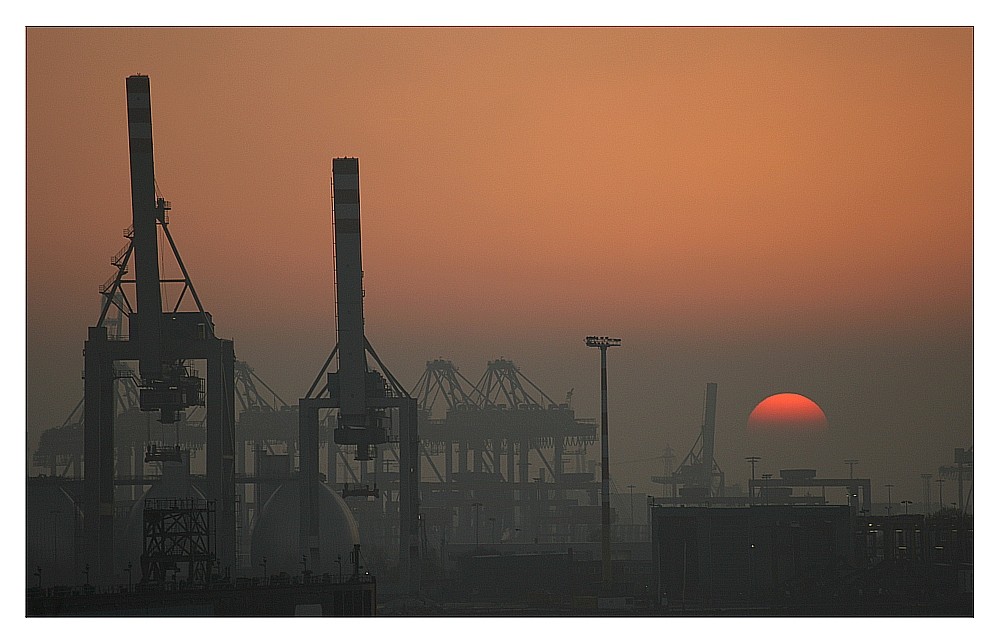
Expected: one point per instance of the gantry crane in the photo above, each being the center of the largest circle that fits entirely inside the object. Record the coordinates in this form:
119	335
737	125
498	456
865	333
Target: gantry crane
441	378
371	406
163	343
699	474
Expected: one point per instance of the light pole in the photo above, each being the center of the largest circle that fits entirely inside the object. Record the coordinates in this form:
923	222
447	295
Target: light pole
767	482
631	509
604	343
906	506
129	570
753	460
889	507
940	482
86	573
851	464
263	563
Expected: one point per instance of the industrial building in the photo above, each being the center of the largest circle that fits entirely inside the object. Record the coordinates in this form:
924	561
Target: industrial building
809	559
714	556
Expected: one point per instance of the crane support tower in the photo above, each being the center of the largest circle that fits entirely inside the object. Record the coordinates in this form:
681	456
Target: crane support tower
162	342
371	409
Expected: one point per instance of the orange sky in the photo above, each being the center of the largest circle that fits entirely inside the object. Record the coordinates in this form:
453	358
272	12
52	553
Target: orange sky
755	206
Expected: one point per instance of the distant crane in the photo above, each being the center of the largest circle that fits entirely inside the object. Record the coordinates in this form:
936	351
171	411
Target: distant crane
369	403
699	470
962	471
501	387
441	378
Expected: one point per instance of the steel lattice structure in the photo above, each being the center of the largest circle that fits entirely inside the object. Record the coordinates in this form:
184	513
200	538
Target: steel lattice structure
178	531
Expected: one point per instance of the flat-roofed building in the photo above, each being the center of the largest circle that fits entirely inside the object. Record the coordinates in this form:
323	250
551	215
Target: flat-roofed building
718	556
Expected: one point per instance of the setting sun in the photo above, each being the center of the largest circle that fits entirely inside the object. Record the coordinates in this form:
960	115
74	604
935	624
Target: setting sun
787	412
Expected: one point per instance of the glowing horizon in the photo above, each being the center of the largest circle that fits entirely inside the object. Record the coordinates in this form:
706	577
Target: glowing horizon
766	208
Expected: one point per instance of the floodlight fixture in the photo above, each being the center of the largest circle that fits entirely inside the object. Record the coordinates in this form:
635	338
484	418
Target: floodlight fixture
602	342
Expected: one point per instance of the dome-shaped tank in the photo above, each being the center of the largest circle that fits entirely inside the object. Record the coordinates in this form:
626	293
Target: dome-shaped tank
275	534
51	525
176	482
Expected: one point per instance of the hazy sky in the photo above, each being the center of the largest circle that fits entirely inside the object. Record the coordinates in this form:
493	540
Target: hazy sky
769	209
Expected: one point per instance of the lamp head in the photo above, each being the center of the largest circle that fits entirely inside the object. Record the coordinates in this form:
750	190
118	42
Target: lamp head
602	342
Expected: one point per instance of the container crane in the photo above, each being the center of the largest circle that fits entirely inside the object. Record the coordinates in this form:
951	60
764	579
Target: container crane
370	404
163	342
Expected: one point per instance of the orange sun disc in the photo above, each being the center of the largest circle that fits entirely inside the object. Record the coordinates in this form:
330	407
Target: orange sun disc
787	413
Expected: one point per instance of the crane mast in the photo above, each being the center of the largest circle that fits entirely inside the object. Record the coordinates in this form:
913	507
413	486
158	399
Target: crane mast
708	438
350	312
166	385
146	323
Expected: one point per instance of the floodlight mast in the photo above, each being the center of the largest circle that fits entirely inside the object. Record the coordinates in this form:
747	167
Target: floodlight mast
604	343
